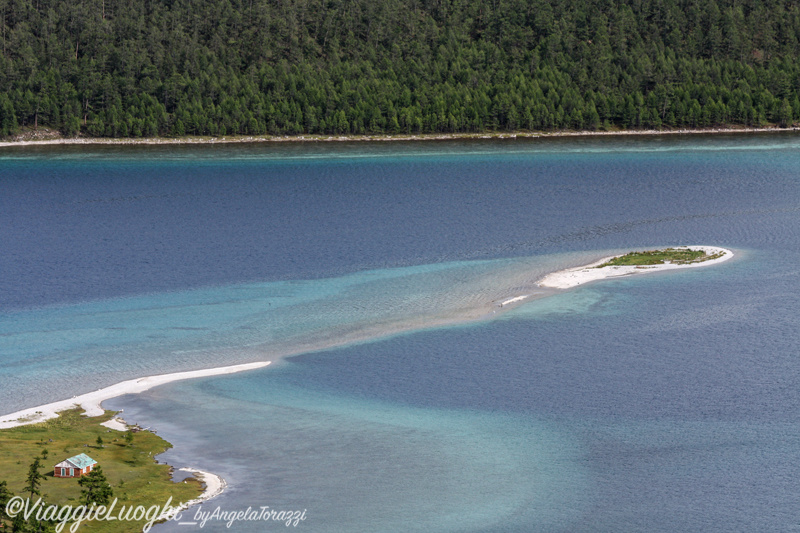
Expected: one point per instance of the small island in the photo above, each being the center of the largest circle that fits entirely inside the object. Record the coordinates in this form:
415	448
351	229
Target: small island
637	263
678	256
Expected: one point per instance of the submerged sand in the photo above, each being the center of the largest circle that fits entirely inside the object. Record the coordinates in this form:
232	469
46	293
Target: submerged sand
215	485
564	279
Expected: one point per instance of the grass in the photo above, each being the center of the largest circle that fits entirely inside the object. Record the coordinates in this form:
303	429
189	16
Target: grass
680	256
132	471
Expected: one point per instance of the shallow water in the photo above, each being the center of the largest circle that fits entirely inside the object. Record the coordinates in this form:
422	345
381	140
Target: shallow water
661	403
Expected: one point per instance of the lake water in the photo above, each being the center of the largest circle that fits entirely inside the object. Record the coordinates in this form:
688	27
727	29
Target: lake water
401	398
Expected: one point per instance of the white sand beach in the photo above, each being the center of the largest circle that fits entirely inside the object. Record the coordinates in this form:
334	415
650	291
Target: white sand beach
214	486
572	277
90	402
116	423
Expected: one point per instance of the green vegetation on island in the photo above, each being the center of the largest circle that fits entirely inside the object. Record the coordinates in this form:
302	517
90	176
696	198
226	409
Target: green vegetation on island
145	68
679	256
126	470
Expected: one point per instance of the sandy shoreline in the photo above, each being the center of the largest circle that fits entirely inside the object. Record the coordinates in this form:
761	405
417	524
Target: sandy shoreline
214	486
90	402
572	277
54	139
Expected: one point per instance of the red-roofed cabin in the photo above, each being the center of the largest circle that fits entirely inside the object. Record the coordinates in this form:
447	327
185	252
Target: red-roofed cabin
77	466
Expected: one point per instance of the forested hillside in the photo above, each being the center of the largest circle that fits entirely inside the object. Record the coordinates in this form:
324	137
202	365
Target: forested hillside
212	67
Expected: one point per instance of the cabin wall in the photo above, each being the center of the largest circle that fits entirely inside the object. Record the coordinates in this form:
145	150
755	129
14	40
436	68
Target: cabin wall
76	472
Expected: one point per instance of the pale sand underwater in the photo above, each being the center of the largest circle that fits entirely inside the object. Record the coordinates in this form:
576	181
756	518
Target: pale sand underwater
214	484
564	279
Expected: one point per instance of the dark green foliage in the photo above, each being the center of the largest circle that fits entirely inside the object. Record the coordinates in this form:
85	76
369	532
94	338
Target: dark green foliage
34	479
95	488
5	496
658	257
19	525
142	68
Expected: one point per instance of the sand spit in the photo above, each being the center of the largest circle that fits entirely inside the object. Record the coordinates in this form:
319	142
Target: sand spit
572	277
90	402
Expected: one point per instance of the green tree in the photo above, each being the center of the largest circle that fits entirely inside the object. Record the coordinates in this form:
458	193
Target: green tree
34	479
5	495
19	525
785	114
394	65
8	118
95	488
179	129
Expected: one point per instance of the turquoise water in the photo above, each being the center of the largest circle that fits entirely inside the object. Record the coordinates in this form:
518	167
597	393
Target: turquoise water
129	337
411	403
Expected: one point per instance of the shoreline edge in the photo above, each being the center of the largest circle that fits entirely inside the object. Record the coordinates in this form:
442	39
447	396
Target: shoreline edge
46	139
90	402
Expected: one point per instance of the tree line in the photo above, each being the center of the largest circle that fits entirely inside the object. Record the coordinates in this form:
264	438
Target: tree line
144	68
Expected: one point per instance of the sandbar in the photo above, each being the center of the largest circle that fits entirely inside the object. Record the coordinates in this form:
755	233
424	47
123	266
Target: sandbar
214	484
90	402
572	277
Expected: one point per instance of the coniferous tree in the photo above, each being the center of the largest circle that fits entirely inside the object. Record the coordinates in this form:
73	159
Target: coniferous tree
386	66
95	488
5	496
34	479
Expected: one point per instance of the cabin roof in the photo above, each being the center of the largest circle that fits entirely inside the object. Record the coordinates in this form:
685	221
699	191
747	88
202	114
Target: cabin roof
78	461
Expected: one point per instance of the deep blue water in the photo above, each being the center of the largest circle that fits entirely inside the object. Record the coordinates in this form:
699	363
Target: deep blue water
659	403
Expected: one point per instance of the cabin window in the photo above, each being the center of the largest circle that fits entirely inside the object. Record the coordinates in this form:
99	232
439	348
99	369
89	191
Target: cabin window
63	472
71	472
